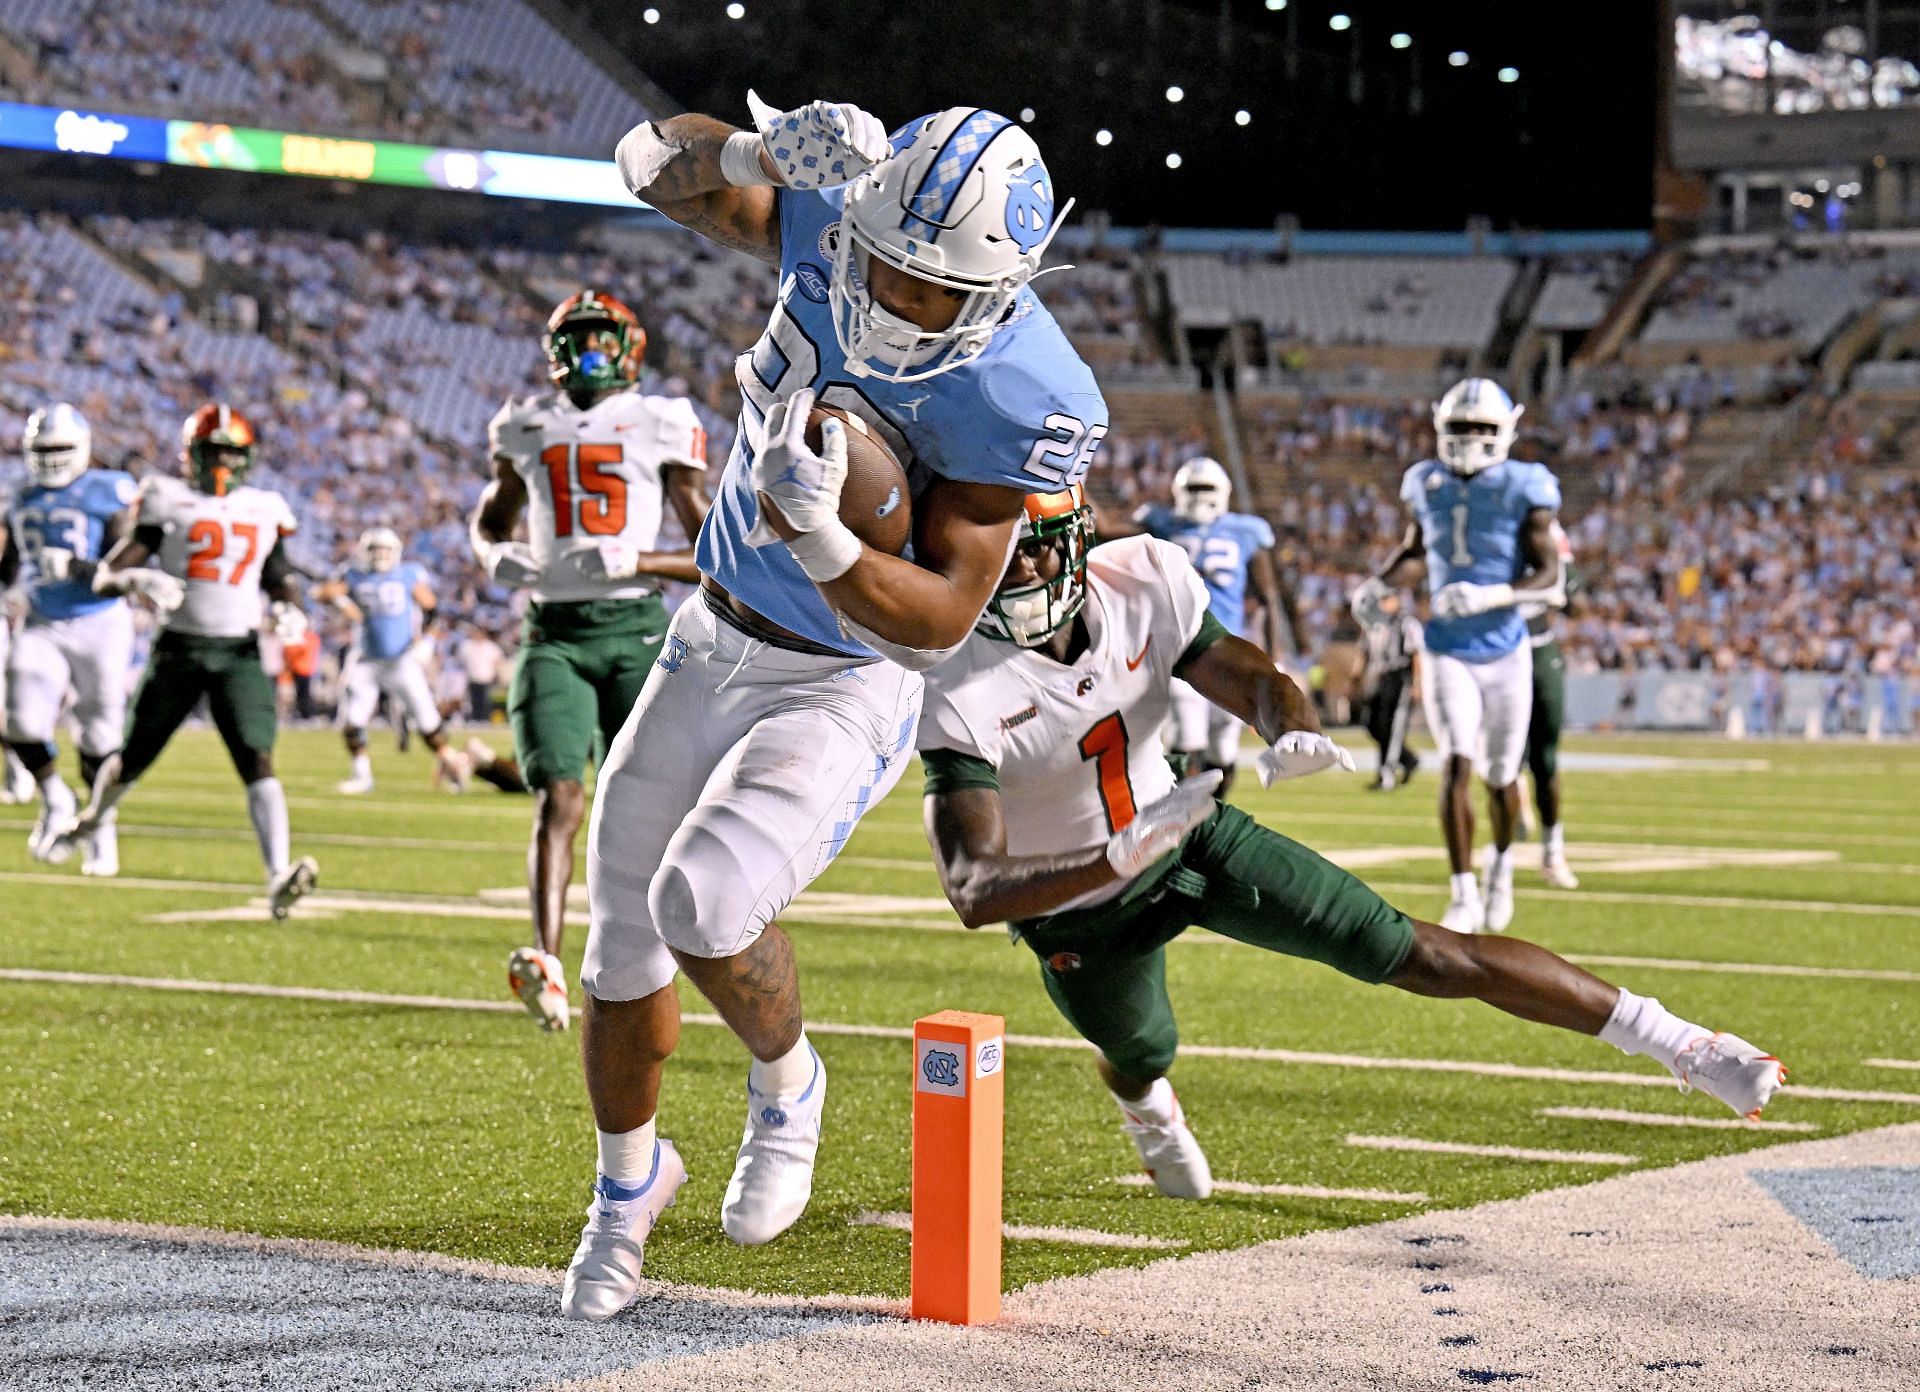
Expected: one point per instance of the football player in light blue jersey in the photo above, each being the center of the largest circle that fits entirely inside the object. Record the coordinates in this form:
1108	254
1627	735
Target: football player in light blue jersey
785	698
1478	522
1232	551
387	599
66	519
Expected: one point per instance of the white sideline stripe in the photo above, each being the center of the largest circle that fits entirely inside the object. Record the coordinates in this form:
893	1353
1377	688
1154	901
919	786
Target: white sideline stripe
1747	968
1295	1191
1671	1119
1021	1232
1498	1152
161	831
1912	1065
1030	1041
1685	901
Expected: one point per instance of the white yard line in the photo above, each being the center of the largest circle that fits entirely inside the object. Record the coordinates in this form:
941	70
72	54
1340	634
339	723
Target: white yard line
1032	1041
1498	1152
1745	968
1911	1065
1021	1232
1685	901
1698	1123
1295	1191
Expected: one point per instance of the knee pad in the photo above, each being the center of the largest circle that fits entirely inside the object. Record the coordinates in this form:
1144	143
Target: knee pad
700	899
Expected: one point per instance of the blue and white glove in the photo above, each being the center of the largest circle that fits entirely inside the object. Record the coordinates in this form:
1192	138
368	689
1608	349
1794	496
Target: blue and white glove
805	487
1298	753
1162	824
1366	603
1463	599
818	145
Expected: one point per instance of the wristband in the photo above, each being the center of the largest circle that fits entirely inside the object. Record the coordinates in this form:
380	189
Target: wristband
740	161
826	554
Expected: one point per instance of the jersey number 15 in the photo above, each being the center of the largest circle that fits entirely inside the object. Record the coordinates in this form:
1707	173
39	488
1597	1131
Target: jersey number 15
585	494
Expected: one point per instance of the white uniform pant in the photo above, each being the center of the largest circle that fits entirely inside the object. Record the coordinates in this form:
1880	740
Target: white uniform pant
403	681
738	776
89	655
1201	727
1481	710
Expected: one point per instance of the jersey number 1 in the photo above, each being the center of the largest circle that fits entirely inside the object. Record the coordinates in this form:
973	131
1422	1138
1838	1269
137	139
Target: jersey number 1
1106	744
603	508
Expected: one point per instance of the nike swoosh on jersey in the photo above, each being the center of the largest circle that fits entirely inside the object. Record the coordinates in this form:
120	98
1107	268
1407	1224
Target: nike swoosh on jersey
1134	662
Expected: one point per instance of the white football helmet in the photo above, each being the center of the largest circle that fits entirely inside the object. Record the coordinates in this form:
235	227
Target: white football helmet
378	549
1201	490
1474	426
59	445
964	201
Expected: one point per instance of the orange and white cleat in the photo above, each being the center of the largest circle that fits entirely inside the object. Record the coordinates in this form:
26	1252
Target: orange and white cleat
540	982
1732	1070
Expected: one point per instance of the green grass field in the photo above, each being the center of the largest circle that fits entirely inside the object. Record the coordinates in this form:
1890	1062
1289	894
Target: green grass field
468	1133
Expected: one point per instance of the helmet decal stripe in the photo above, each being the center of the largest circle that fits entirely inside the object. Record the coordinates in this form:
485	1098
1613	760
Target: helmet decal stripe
927	209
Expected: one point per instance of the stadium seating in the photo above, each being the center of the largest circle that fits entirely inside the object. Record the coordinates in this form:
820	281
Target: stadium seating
1413	301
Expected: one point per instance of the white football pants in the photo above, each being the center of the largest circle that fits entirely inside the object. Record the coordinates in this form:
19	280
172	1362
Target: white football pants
89	655
1481	710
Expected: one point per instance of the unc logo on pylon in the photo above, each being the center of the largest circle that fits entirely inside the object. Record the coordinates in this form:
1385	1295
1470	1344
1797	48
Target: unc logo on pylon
940	1068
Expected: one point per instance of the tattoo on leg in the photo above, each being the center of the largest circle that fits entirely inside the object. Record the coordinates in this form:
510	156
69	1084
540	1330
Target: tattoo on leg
757	992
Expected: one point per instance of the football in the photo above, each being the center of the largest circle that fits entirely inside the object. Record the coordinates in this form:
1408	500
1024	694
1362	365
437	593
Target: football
874	503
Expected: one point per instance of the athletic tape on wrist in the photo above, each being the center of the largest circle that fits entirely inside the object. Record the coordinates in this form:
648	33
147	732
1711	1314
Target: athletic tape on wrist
826	554
740	161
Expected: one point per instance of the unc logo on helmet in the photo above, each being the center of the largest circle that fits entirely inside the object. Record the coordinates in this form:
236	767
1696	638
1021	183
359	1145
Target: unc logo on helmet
1030	207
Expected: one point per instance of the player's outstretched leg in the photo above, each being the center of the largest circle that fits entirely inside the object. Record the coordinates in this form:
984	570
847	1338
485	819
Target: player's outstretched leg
1528	981
1152	1118
496	769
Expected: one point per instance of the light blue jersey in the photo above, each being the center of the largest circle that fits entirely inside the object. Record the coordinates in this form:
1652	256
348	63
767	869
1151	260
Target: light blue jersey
1221	550
390	614
1026	413
1472	531
73	516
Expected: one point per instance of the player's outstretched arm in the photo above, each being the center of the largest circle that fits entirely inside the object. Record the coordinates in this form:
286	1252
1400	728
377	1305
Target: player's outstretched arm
675	166
985	884
1237	677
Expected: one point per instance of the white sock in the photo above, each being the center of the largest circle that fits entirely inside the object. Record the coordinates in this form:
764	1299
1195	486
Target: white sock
363	767
785	1076
57	797
1466	887
267	806
1500	863
1555	840
1157	1106
626	1157
1641	1025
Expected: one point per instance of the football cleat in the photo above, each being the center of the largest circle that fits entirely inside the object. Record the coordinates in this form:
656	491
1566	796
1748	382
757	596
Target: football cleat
1465	913
452	770
1498	893
58	817
604	1275
353	787
100	852
540	981
1556	872
1732	1070
773	1176
1170	1154
294	882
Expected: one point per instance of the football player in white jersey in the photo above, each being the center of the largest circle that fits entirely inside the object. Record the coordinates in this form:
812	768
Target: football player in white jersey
1050	806
208	551
67	517
387	598
593	465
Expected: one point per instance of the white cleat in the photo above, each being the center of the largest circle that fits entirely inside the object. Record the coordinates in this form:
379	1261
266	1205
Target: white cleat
1732	1070
59	815
1499	897
540	981
354	787
452	770
1465	913
294	882
100	852
773	1176
604	1275
1170	1154
1556	872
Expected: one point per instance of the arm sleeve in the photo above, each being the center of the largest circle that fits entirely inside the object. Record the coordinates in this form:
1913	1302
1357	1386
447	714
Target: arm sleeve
1211	632
949	771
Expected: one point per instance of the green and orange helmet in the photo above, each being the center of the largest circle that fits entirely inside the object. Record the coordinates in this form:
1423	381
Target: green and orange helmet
1028	615
594	344
217	445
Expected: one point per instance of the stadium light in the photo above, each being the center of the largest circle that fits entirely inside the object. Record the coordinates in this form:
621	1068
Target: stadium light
1242	117
1276	4
1340	23
736	10
1026	115
1174	94
1509	74
1458	58
1173	160
1103	137
1401	41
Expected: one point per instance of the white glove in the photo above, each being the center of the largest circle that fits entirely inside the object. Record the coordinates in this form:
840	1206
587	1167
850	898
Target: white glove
1463	599
54	563
289	621
821	144
1365	602
609	558
511	563
159	589
1159	826
806	488
1297	753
